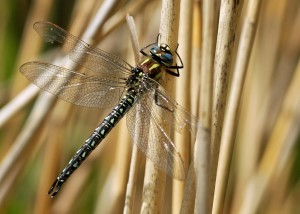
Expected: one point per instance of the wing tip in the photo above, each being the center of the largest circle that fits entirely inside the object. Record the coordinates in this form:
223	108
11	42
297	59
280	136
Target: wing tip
26	66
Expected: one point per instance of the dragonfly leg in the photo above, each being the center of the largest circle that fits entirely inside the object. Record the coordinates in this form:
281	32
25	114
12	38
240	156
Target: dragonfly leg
173	73
142	50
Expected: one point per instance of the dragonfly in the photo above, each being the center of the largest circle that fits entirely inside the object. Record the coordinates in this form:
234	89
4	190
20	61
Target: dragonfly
112	82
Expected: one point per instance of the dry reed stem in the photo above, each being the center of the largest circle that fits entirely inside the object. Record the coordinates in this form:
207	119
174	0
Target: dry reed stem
196	58
134	164
112	194
279	186
208	51
189	195
15	105
49	170
57	123
7	185
82	12
65	202
99	19
182	140
261	95
134	38
202	147
188	201
14	174
154	182
4	20
229	16
23	142
279	147
169	23
227	140
291	200
115	21
30	45
132	180
281	180
202	157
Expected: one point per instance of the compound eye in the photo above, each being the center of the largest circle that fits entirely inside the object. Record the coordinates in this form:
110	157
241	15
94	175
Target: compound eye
167	58
164	47
154	50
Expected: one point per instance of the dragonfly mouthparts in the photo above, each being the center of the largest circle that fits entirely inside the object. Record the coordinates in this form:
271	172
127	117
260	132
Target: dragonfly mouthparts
54	189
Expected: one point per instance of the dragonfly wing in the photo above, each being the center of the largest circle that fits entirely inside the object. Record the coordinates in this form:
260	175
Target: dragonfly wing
74	87
80	52
153	141
172	114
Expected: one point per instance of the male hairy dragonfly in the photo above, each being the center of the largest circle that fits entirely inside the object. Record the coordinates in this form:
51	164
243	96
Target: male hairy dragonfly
133	91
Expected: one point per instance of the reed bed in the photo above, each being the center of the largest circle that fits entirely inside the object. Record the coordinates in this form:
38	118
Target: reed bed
241	78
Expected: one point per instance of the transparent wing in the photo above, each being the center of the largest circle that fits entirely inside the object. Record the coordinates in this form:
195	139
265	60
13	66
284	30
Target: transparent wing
80	52
154	113
173	115
153	141
75	87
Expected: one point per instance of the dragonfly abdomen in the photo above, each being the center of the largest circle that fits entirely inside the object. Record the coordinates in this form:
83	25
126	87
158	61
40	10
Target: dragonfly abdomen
95	139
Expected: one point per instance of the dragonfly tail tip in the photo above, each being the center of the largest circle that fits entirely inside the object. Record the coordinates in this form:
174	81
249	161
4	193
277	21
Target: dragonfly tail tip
54	189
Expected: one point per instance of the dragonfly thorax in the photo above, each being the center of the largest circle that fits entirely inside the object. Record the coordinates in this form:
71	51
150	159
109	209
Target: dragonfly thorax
137	81
151	67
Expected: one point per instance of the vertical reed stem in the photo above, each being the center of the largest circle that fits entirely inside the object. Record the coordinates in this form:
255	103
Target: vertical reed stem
229	16
202	148
154	183
227	140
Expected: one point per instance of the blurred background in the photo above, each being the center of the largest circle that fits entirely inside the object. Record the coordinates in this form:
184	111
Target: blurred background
40	136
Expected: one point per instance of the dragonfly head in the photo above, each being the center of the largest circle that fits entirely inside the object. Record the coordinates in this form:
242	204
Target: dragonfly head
163	54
